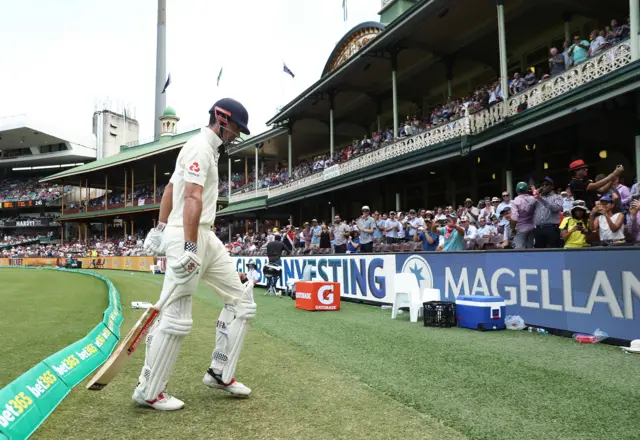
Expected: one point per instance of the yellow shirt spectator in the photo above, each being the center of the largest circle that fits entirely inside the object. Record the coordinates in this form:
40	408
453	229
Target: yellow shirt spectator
576	239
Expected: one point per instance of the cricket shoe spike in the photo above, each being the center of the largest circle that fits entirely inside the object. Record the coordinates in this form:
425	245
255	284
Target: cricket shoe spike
214	380
164	402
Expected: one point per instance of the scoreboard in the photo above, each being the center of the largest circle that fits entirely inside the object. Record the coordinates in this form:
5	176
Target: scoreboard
21	204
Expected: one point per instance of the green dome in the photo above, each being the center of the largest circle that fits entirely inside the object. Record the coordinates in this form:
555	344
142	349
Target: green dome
169	111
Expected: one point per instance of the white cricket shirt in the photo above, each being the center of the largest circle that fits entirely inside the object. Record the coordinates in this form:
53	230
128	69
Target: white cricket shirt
197	163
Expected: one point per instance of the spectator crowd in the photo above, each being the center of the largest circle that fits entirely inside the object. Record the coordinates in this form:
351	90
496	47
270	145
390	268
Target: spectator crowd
573	53
21	189
598	212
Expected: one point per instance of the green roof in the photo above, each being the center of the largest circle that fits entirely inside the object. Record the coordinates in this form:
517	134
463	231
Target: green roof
130	154
244	206
170	111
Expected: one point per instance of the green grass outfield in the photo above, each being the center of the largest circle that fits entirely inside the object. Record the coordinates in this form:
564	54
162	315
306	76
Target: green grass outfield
353	374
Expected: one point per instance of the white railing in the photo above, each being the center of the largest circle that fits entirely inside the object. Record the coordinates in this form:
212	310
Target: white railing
593	68
590	70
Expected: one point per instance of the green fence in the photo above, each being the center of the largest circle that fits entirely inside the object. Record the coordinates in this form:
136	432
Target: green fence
27	401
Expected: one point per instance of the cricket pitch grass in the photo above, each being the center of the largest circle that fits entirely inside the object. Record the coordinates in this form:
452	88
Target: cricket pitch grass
352	374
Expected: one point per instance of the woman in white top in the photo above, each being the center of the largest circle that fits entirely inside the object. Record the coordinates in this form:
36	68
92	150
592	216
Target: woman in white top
608	225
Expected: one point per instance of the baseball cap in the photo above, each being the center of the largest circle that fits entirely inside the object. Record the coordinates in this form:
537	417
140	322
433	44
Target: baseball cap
366	208
234	111
464	218
522	187
606	198
547	179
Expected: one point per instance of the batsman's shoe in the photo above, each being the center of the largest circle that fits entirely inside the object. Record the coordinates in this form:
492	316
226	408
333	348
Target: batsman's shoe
213	380
164	402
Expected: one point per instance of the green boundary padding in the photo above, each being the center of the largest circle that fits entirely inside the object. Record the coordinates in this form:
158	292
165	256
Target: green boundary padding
27	401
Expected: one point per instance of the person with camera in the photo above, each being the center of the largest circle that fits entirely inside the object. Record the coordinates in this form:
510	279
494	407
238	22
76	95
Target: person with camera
608	224
574	229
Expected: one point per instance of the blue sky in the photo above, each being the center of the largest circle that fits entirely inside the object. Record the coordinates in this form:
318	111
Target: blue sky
61	57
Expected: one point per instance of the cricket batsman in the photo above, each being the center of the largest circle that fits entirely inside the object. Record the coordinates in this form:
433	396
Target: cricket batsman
194	253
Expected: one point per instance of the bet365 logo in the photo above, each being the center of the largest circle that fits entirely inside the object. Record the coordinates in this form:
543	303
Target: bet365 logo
326	295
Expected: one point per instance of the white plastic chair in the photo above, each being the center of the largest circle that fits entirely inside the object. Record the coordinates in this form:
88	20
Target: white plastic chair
407	294
430	295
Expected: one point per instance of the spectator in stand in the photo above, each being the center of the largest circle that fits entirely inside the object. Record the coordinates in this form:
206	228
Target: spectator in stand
366	226
307	233
579	50
522	212
598	42
325	238
391	228
566	53
507	233
316	231
585	189
353	243
634	224
608	224
453	234
576	228
548	209
556	62
340	232
567	200
428	239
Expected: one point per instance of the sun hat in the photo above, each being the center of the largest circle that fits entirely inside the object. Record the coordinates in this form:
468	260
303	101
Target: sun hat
577	165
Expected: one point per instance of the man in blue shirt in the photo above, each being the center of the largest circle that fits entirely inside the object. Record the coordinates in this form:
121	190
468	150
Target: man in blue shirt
316	229
428	238
453	234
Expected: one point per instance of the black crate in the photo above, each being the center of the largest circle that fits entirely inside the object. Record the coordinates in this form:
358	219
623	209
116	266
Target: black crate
439	314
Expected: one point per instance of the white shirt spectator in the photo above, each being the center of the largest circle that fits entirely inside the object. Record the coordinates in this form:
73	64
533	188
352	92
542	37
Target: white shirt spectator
391	233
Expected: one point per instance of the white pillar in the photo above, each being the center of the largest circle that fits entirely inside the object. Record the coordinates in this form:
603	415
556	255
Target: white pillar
449	89
502	47
394	87
229	191
567	31
379	123
398	207
161	66
634	14
257	175
290	154
331	130
509	180
333	213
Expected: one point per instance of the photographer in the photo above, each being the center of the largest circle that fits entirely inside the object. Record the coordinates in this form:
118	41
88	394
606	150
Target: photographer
574	229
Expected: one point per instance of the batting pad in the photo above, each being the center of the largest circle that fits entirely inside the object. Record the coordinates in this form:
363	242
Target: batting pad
230	332
163	346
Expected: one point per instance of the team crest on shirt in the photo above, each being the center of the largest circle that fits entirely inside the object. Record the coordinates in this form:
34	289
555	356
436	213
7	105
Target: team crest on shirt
194	169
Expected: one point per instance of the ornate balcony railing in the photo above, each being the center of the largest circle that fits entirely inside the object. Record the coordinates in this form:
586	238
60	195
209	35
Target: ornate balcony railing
612	59
593	68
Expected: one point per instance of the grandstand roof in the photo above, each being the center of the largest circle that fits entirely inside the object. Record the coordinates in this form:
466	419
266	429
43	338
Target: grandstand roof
127	155
20	132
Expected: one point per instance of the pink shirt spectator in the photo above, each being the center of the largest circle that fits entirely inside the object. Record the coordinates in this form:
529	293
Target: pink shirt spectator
522	212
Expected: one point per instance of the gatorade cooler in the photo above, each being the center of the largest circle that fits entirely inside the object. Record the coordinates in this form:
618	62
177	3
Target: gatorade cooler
480	312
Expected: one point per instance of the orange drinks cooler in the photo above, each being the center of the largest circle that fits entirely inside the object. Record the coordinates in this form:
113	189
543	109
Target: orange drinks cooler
317	295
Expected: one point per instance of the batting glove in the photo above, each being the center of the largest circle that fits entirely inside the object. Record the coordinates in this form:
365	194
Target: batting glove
187	266
153	242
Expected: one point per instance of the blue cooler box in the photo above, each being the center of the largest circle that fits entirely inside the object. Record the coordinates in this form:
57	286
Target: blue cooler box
479	312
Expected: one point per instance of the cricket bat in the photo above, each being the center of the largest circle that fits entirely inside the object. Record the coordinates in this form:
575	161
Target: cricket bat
112	367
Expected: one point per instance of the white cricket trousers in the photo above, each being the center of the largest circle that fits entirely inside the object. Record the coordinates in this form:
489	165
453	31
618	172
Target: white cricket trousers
217	270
